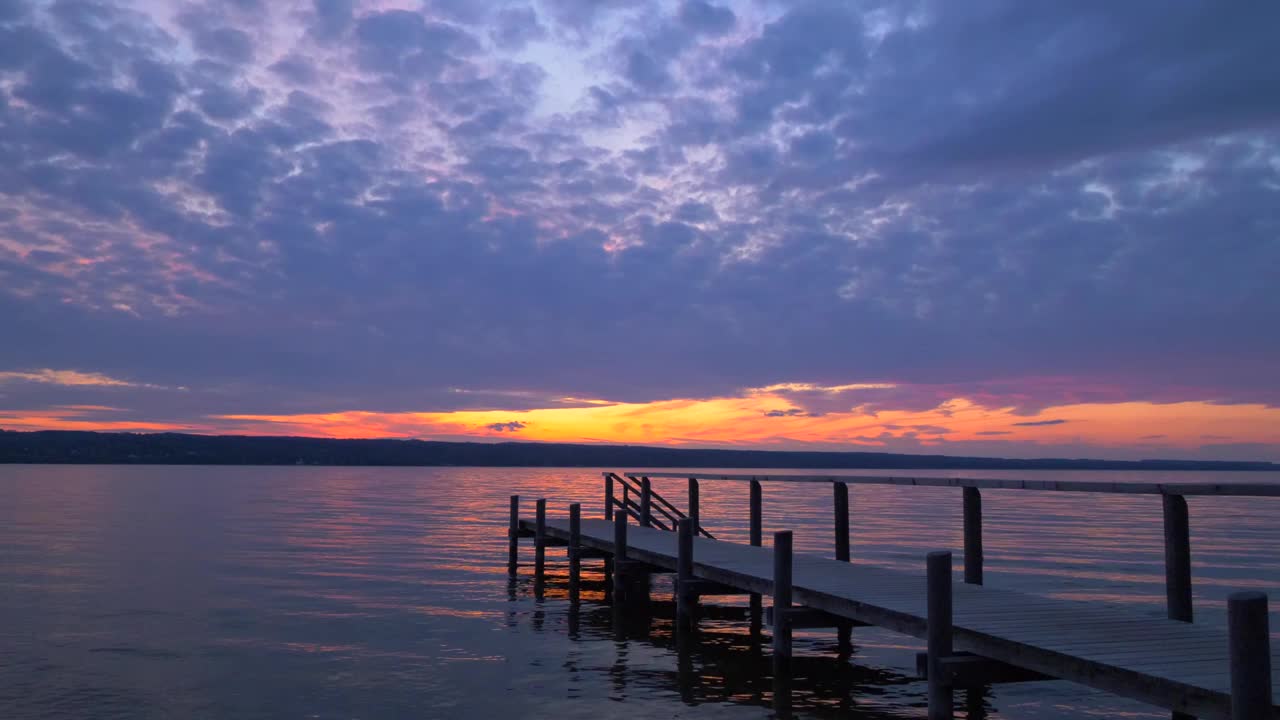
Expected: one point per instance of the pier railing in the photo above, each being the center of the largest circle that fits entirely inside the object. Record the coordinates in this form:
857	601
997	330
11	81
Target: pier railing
649	508
1177	526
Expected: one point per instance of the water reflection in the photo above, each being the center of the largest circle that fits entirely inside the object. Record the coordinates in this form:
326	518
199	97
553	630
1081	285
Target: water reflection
722	659
155	592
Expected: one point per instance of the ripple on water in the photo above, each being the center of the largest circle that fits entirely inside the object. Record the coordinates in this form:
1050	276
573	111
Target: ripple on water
157	592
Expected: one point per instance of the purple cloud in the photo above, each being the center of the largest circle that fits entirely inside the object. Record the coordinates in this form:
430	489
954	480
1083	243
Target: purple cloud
303	221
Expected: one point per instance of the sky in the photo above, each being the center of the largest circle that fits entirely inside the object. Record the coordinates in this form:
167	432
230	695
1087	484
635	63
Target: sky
991	227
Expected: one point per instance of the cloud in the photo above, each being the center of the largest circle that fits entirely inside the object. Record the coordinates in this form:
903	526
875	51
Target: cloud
790	412
315	206
224	43
704	17
516	27
1038	423
69	378
740	421
509	426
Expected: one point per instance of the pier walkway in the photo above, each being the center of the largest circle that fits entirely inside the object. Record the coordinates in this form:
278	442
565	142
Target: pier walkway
1176	665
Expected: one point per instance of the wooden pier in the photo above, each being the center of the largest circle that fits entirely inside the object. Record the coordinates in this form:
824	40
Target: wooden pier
976	635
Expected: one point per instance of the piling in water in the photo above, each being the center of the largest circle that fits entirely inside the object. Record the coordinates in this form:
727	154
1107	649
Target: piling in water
973	536
1249	643
513	536
575	548
619	555
939	633
1177	558
686	598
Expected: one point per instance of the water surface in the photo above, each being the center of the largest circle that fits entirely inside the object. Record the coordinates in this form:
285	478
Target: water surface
255	592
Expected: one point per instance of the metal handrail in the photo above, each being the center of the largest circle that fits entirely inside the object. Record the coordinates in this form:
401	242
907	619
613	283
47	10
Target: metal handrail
632	485
633	509
629	489
638	489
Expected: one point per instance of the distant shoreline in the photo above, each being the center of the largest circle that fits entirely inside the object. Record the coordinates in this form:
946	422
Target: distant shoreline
92	448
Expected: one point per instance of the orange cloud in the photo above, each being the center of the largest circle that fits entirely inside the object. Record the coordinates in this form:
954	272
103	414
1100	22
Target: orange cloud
760	417
763	418
85	417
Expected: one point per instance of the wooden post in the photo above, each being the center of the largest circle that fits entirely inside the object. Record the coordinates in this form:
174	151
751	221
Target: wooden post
619	555
756	539
1177	558
782	624
608	496
575	547
1249	640
646	503
842	520
844	630
756	519
972	536
939	634
781	594
694	513
513	536
540	539
685	597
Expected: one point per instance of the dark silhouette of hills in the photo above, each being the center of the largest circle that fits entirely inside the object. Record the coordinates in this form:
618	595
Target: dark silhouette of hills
179	449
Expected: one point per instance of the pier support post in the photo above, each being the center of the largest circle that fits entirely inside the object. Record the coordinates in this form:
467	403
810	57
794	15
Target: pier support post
686	597
757	533
608	496
756	539
513	536
941	700
1177	565
694	514
972	536
782	622
540	550
646	503
619	556
841	491
1249	640
1177	557
540	538
782	595
575	548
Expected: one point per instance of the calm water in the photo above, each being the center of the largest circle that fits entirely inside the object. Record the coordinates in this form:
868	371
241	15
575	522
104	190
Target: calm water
175	592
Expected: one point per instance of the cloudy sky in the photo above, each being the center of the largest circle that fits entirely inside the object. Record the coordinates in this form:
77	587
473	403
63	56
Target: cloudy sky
966	227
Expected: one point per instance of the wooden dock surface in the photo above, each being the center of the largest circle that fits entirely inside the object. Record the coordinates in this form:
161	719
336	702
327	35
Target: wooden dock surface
1175	665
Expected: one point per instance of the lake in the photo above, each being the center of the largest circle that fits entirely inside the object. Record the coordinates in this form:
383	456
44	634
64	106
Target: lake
345	593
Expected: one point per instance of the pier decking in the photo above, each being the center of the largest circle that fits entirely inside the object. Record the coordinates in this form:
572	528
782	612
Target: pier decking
991	633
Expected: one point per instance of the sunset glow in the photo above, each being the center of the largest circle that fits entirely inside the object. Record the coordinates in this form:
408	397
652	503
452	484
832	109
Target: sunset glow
745	422
759	417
